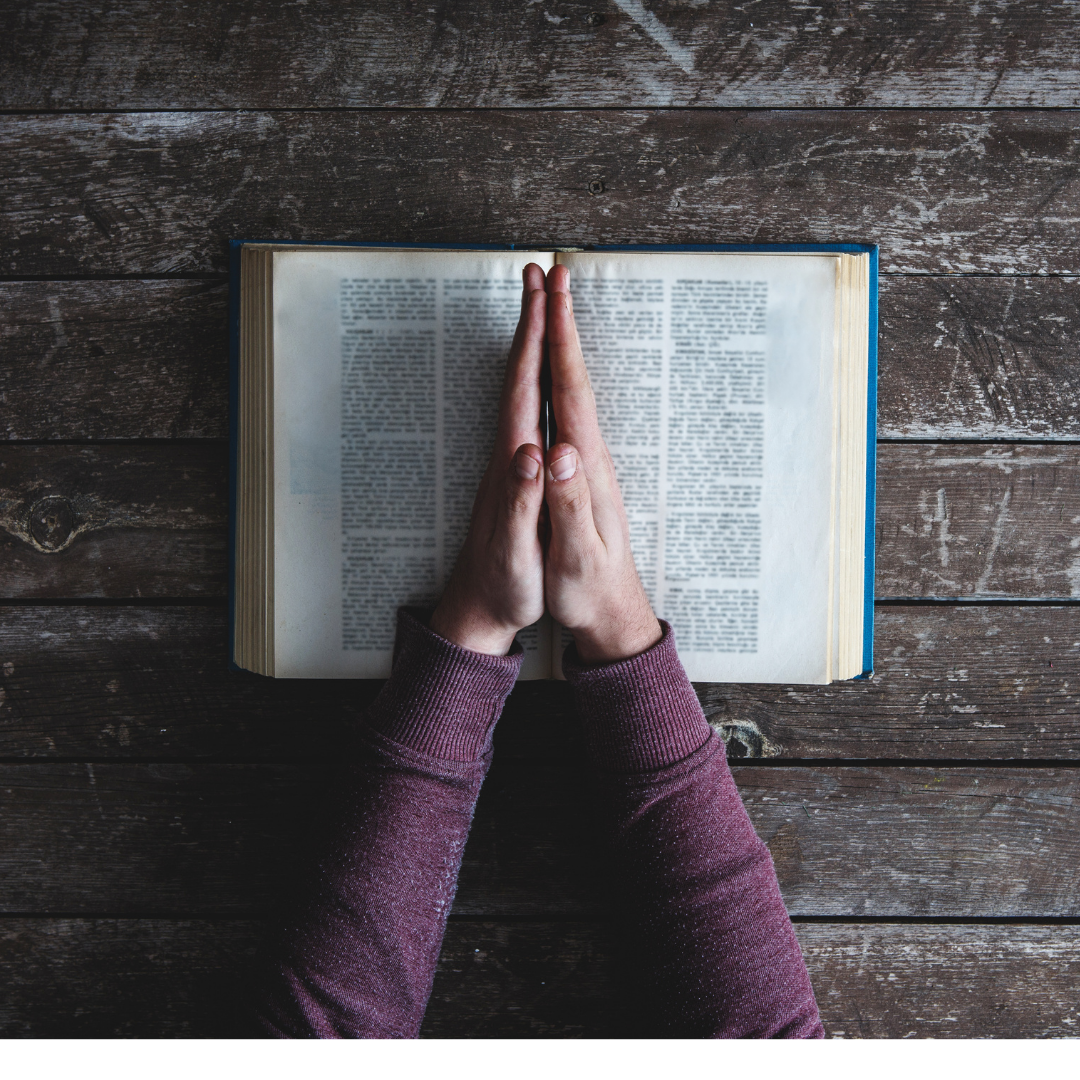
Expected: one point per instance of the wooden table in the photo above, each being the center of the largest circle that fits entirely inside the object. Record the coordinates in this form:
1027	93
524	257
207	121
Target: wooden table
924	824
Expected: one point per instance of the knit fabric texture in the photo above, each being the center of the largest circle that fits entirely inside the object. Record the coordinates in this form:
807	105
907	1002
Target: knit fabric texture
641	713
442	700
714	951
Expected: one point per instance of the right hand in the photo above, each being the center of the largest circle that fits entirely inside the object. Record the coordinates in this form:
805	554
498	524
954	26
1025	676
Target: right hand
591	584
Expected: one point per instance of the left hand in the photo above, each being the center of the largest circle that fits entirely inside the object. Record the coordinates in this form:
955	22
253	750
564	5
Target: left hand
497	586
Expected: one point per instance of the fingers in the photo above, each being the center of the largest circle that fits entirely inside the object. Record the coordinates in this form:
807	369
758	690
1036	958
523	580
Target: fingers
571	393
519	511
519	407
566	492
533	277
575	406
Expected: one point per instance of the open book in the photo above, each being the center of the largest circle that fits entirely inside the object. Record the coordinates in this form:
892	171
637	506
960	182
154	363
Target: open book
735	390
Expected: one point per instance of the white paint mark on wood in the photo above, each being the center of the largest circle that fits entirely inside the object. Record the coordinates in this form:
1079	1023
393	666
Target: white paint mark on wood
942	518
679	54
56	319
996	532
1072	573
1005	461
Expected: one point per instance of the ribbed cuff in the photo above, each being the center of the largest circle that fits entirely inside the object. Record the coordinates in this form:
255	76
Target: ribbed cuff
441	699
639	714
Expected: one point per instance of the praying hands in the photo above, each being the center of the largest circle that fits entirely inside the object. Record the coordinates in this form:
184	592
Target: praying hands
573	561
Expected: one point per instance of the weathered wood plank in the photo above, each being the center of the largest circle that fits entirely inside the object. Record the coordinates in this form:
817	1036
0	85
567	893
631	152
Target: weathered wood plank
845	841
958	982
114	360
526	980
962	520
968	682
578	52
871	981
979	357
201	839
132	978
131	683
120	521
113	520
158	193
195	840
154	682
960	358
124	978
993	831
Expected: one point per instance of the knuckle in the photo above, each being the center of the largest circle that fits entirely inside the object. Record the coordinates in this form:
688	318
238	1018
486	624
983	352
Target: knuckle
576	502
519	502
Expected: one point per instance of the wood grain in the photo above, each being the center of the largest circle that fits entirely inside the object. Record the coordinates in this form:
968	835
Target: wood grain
573	53
968	682
981	521
136	683
845	841
953	520
158	193
154	683
979	357
114	359
124	978
527	980
957	982
158	978
195	840
113	520
960	358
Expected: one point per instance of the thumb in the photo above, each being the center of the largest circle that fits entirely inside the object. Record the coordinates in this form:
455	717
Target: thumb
519	510
566	491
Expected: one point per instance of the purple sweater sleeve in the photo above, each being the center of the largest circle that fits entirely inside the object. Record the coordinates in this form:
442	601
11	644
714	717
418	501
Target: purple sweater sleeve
357	959
713	943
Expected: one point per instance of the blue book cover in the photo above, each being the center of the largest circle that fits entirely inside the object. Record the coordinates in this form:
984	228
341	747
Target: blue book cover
235	247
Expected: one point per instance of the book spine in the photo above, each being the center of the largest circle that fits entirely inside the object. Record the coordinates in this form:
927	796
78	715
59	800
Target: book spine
235	247
871	471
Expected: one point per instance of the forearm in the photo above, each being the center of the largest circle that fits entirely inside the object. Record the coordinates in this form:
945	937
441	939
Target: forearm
358	957
710	927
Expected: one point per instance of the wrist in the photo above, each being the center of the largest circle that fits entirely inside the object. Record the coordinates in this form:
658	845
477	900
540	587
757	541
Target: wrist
613	640
471	630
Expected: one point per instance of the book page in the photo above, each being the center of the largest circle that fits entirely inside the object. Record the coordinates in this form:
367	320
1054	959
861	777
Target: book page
714	381
388	367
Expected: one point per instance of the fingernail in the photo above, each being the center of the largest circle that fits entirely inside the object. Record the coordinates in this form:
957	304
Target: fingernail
564	468
526	466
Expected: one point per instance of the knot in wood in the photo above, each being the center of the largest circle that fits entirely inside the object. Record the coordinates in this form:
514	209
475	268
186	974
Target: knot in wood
52	523
596	187
744	739
594	18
